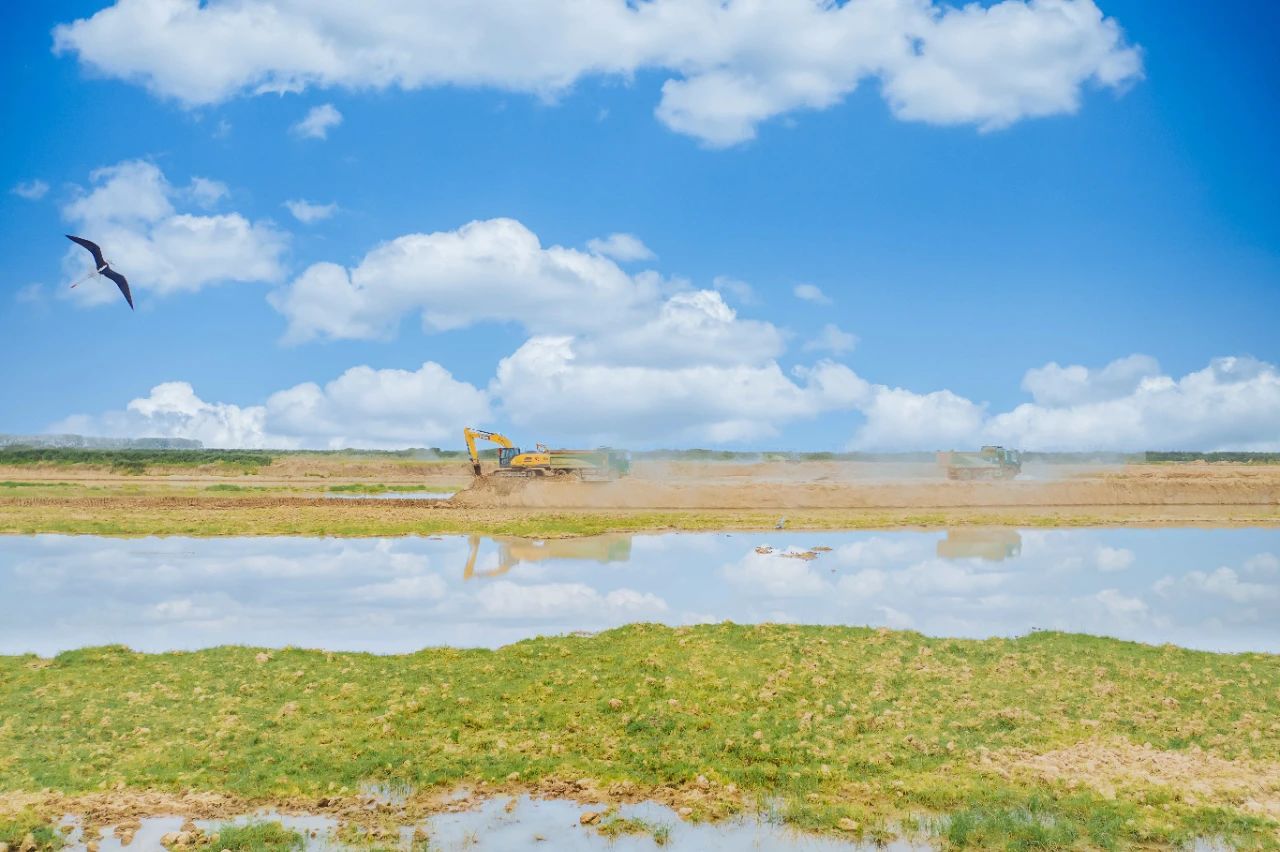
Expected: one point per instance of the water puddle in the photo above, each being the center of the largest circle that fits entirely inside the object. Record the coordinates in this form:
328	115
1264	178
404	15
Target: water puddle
501	824
1208	589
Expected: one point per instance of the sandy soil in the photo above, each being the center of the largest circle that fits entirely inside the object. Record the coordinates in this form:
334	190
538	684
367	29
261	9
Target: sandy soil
825	485
707	495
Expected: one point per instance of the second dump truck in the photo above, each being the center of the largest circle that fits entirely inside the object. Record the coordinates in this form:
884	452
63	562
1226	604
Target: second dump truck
989	463
599	465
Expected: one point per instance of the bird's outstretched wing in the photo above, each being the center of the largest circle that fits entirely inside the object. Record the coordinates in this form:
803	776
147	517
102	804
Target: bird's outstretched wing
98	262
122	283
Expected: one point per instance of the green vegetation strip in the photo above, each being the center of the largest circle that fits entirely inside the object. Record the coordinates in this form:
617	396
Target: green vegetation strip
124	515
849	730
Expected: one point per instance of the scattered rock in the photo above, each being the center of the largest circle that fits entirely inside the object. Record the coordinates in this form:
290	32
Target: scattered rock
262	657
685	811
588	818
615	703
514	776
846	824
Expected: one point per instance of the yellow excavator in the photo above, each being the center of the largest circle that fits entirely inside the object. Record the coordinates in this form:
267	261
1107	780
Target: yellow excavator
599	465
610	547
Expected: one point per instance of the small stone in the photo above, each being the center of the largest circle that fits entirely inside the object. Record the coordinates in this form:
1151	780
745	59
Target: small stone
588	818
615	703
169	838
685	811
703	782
846	824
92	846
514	776
262	657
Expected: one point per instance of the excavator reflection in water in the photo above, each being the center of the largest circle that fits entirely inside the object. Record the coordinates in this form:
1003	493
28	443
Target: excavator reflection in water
610	547
993	545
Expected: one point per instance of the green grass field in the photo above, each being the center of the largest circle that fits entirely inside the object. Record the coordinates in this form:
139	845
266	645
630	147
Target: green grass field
980	744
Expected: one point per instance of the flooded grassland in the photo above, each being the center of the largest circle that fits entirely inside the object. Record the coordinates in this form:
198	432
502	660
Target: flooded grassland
989	728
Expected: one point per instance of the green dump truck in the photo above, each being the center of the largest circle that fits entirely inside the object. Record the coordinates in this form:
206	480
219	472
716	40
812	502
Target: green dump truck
988	463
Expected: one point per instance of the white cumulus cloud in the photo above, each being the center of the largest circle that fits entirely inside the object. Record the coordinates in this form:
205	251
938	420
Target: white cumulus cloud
545	383
505	599
129	211
1111	559
832	339
1056	386
307	212
32	190
811	293
318	121
729	65
363	407
493	270
1231	404
621	247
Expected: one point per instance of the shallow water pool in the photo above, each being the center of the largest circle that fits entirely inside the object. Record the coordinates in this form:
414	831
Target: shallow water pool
1208	589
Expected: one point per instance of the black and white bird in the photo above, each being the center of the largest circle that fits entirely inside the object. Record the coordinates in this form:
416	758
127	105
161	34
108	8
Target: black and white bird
103	268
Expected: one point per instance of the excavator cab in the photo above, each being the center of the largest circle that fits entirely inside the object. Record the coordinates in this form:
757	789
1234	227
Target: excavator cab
506	454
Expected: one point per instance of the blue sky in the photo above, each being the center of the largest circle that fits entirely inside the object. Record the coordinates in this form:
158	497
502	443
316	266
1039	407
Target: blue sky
961	256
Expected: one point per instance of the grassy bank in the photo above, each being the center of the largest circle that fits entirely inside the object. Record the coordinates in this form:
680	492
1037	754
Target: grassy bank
207	512
1050	741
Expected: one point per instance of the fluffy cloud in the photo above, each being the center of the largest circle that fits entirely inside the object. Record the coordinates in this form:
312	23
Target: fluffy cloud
546	383
1056	386
361	408
307	212
206	192
621	247
732	65
1232	404
900	419
130	212
692	328
172	410
365	407
505	599
811	293
317	123
32	190
1111	559
832	339
494	270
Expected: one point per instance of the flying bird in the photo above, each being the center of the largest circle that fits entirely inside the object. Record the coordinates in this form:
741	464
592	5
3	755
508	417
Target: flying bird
102	267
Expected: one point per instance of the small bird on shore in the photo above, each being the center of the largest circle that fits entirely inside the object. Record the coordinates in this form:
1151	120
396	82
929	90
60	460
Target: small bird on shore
782	522
103	268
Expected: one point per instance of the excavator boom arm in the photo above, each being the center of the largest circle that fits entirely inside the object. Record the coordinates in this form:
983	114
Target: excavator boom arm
471	435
